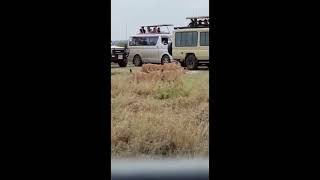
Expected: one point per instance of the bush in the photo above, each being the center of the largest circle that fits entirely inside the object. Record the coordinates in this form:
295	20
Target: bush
166	91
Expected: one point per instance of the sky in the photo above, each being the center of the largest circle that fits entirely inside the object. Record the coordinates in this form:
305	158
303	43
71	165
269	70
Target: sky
134	13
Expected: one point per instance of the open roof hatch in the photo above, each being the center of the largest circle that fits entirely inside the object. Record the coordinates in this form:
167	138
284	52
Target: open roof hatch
196	22
155	29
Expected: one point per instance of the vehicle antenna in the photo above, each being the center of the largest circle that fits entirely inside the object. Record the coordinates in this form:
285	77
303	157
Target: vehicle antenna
126	32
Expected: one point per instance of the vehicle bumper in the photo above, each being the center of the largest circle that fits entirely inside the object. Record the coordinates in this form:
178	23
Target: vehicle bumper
118	57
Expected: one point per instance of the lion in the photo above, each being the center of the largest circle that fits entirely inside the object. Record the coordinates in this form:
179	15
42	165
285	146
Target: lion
172	75
156	67
138	77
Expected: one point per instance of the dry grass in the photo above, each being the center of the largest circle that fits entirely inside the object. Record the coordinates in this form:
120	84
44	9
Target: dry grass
159	119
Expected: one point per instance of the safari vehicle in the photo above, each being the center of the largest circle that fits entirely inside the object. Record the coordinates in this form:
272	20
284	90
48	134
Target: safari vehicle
119	55
190	45
150	45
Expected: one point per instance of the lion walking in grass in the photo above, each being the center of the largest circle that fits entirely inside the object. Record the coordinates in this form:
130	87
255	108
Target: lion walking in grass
157	67
152	77
170	76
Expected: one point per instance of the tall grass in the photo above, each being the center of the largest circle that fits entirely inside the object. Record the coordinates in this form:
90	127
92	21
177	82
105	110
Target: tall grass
159	119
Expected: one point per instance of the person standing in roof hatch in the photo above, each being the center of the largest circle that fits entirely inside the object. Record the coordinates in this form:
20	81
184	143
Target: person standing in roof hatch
143	30
154	30
205	22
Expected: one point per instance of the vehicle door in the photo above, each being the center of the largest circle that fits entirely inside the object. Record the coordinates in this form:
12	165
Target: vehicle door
153	49
203	46
185	42
143	49
134	47
163	47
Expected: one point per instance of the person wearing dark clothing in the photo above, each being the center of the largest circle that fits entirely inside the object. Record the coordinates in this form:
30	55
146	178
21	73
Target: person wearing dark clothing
191	24
144	31
205	22
158	30
194	22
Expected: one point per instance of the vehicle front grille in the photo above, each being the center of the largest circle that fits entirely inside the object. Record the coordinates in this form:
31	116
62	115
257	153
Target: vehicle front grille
117	51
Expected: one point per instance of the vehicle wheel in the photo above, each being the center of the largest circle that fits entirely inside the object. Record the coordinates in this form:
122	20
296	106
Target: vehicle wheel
137	60
191	62
165	59
123	63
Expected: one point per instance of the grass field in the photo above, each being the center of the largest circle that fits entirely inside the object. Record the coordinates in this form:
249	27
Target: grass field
163	120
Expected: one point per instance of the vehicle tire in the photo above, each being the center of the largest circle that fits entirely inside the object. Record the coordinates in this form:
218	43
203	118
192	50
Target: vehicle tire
191	62
165	59
170	48
123	63
137	60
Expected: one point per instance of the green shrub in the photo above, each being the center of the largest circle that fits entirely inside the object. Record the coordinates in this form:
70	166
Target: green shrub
166	91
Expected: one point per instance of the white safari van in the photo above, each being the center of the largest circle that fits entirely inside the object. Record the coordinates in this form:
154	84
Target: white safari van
150	46
190	44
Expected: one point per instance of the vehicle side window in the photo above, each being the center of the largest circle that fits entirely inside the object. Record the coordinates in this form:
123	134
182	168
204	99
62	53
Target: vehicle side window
136	41
204	39
164	40
186	39
194	38
143	41
132	41
152	41
140	41
178	39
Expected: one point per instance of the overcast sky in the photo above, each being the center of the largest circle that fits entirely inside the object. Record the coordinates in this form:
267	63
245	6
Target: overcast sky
147	12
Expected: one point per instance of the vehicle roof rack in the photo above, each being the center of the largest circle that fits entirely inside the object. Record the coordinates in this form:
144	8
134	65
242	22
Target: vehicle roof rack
160	25
157	26
198	17
196	22
184	27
